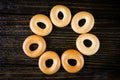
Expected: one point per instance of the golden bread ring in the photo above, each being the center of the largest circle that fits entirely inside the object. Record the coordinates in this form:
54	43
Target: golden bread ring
89	22
56	62
72	54
43	19
87	50
66	15
34	39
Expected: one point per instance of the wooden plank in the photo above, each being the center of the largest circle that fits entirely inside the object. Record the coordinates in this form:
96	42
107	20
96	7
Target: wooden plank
14	28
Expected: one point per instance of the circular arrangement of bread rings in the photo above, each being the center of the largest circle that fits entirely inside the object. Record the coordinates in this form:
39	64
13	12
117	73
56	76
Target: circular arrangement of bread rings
43	19
72	54
56	62
34	39
66	15
69	54
87	50
89	22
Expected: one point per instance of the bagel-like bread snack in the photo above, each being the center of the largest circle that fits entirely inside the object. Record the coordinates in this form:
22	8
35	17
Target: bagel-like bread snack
54	67
43	19
34	39
66	16
87	50
89	22
75	55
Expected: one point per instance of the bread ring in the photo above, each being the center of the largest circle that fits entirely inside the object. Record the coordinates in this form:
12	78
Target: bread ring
43	19
56	62
88	24
72	54
32	40
66	15
87	50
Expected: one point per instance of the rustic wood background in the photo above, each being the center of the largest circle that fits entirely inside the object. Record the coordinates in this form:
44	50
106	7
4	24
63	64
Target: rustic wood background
14	28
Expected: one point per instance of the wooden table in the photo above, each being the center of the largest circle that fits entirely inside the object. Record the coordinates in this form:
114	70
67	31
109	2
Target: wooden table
14	28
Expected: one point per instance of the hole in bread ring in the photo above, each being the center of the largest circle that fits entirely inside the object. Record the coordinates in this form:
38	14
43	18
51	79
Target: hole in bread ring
41	25
87	42
33	46
72	62
60	15
49	62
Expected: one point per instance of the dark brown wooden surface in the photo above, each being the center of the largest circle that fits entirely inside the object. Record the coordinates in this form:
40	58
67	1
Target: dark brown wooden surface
14	28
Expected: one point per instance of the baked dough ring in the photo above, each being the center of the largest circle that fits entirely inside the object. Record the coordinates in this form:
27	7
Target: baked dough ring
87	50
43	19
56	62
34	39
66	15
72	54
89	22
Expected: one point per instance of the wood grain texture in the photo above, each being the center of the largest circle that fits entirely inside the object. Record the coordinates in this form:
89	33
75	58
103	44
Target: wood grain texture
14	28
